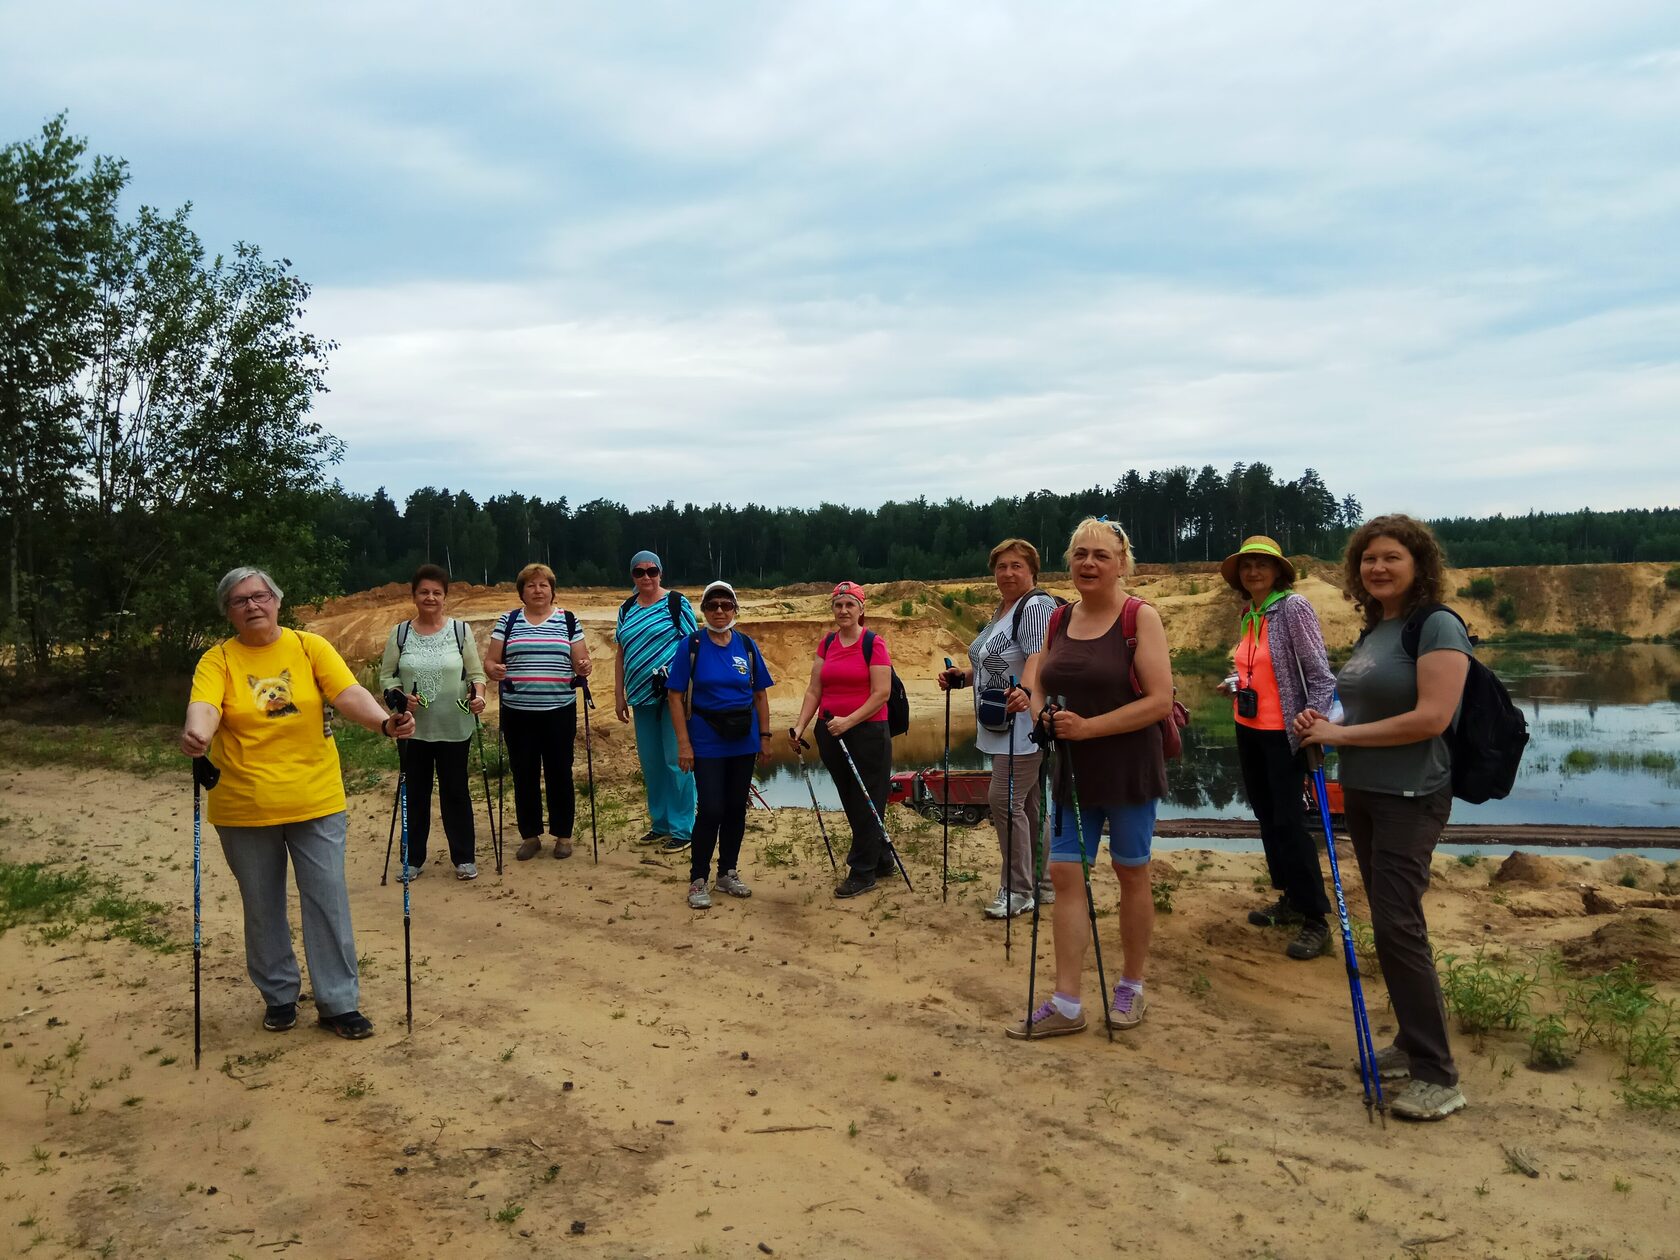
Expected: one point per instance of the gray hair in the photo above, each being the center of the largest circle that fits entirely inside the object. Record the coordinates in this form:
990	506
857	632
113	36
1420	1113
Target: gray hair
234	577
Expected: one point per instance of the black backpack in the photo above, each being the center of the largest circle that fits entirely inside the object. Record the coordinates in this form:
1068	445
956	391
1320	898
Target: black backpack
898	700
673	603
1488	739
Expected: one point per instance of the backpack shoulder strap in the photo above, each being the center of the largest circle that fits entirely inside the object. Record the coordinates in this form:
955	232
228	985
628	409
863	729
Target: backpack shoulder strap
624	608
1020	610
461	643
673	605
868	645
1129	619
402	634
1058	622
828	642
1412	632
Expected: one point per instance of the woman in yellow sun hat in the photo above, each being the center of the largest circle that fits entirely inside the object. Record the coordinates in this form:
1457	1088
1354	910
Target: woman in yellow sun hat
1281	670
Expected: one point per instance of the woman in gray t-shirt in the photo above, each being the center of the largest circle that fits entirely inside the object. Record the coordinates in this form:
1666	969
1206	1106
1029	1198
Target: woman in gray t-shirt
1400	691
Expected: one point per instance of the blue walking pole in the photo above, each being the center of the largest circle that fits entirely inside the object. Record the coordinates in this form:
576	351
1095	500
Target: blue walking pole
945	809
1368	1074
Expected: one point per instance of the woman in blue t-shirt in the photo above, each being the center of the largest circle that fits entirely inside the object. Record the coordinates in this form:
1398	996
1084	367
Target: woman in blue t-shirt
721	716
1400	696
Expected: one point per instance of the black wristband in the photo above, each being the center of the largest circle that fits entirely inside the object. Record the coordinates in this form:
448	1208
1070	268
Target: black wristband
384	727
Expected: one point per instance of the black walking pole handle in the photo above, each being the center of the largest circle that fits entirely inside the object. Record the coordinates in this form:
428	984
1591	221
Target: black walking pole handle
799	743
954	680
205	773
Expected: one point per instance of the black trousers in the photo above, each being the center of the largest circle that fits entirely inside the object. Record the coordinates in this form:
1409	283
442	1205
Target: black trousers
871	748
722	784
539	746
1272	778
421	758
1393	840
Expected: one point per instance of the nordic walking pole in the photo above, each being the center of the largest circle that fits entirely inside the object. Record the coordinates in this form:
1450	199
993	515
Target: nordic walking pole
501	801
589	761
1090	898
870	801
204	775
799	747
1368	1074
391	837
484	774
945	810
397	701
1009	841
1042	858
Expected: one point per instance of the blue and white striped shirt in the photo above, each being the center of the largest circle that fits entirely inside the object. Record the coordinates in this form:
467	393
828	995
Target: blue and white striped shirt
538	660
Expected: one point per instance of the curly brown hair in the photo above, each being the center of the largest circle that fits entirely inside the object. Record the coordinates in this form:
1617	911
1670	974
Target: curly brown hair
1427	556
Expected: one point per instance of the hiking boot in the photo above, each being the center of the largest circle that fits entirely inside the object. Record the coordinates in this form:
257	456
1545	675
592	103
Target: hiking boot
855	884
351	1025
1311	941
698	897
528	849
1046	1021
650	837
1127	1008
282	1018
730	882
467	870
1425	1100
1046	894
562	848
1393	1064
1279	914
674	844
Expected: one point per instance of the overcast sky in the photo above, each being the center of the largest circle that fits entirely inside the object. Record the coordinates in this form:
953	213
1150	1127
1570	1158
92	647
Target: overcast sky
788	252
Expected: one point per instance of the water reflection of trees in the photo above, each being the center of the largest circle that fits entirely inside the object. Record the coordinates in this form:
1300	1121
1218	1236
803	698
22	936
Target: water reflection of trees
1635	673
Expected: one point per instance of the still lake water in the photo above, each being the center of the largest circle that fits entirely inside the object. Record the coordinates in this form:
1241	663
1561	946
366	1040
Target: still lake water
1604	729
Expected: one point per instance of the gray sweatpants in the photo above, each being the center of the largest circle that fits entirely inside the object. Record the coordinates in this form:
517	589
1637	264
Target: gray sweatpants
1027	808
257	856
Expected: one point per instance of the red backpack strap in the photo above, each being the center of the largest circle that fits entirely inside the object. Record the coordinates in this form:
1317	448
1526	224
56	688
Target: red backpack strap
1128	631
1058	619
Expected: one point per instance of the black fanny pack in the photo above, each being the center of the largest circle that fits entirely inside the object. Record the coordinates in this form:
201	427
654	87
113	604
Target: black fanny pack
990	711
728	724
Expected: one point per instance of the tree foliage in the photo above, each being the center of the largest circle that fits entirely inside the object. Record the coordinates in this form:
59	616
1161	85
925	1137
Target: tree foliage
156	405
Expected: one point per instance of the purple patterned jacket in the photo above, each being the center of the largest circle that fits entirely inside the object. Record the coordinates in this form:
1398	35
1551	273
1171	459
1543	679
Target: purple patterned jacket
1297	647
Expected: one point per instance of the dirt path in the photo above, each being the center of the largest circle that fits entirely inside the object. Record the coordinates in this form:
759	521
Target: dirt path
827	1079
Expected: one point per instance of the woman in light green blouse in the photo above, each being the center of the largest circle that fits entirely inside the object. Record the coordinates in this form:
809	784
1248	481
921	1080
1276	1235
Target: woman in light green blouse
435	660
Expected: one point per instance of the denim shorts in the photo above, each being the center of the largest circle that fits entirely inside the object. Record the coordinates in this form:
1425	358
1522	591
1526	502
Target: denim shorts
1131	831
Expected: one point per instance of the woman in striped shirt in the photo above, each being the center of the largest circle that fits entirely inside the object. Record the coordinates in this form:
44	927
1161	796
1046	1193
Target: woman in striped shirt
537	654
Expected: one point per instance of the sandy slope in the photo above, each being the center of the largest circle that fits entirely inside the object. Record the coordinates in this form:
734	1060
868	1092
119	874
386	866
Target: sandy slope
580	1019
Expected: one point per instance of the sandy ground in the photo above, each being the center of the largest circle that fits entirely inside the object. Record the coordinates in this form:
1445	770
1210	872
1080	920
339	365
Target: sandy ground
596	1070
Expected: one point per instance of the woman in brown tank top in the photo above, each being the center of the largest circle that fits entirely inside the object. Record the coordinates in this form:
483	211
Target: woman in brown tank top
1109	748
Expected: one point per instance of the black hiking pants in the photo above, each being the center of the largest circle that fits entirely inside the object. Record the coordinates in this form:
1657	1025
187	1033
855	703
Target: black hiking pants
421	759
1272	780
871	748
540	745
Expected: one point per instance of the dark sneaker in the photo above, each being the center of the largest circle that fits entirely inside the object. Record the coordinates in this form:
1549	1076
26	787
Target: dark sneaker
1393	1064
1046	1021
529	849
1279	914
674	844
650	837
1310	941
466	870
854	885
562	848
351	1025
1425	1100
280	1018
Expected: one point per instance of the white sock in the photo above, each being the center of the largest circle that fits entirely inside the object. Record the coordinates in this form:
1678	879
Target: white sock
1066	1007
1136	986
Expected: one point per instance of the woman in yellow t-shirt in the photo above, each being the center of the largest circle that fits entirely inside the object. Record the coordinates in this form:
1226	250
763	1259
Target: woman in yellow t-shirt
259	709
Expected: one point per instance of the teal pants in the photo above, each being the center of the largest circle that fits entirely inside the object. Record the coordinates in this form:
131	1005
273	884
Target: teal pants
670	790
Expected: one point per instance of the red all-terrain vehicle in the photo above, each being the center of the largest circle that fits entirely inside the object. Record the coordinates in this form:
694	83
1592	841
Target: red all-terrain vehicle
924	791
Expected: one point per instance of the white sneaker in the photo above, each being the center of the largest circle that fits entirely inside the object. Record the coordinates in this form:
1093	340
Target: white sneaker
1019	904
995	908
698	897
467	870
1046	894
